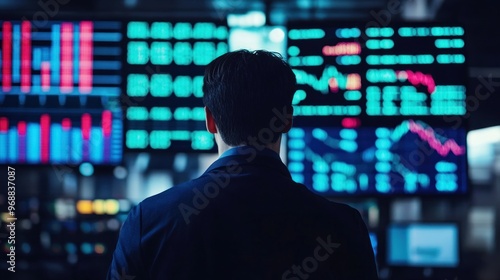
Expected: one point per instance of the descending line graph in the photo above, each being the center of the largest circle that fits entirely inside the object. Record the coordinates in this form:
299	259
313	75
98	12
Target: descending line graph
417	78
330	80
427	134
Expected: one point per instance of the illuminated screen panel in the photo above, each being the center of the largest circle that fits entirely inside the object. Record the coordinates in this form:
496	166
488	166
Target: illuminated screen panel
423	245
164	74
346	69
373	105
60	85
410	158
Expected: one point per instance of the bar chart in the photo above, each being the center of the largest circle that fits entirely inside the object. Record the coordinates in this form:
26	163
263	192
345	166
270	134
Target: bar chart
90	136
69	58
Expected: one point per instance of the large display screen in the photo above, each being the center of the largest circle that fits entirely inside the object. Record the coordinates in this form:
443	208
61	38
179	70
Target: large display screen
164	70
77	91
60	86
423	245
373	108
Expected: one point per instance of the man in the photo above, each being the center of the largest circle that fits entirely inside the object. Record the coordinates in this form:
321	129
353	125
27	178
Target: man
244	218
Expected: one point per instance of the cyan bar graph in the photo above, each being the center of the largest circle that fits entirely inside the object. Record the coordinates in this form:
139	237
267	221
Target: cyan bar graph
33	154
52	140
55	143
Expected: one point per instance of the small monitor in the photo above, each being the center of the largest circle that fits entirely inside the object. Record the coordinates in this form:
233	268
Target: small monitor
423	245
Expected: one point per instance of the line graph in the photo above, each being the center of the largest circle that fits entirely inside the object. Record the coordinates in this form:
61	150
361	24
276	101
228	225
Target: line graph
417	78
429	136
330	80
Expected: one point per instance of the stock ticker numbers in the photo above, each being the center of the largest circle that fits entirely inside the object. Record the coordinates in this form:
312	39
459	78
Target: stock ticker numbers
165	67
371	105
60	85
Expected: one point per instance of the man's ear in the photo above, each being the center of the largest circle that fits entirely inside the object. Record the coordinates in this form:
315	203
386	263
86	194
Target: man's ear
209	121
289	120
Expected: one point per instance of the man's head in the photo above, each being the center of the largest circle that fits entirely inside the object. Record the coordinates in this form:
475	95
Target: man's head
246	94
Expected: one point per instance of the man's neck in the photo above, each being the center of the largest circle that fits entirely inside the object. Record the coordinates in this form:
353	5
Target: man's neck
222	147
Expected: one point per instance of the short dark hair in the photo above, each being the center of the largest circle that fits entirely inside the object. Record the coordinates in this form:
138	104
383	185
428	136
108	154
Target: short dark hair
243	89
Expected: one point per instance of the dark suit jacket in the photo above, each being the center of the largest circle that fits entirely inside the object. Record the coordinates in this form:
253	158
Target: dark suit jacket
244	218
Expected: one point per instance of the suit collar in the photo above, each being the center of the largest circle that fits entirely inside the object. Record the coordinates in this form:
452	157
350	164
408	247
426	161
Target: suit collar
248	155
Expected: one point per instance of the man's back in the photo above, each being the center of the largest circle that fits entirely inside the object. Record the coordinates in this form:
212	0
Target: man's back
244	218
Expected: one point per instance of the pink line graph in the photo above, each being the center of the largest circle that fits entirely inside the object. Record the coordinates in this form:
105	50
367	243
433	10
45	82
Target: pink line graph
418	78
428	135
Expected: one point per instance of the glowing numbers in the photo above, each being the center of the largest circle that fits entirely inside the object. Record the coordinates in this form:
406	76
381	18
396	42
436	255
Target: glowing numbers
161	53
296	166
303	34
137	113
161	85
297	144
137	85
137	53
381	76
450	58
160	139
444	166
202	140
182	31
313	60
297	156
348	60
447	31
160	114
137	139
379	32
296	133
204	53
183	55
449	43
161	30
183	86
352	95
325	110
293	51
433	31
348	33
399	59
137	30
380	44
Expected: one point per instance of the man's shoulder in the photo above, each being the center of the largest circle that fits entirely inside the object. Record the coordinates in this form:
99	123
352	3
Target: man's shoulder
327	204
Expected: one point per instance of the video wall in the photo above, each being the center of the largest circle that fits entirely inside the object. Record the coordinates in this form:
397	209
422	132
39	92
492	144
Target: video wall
370	114
372	108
